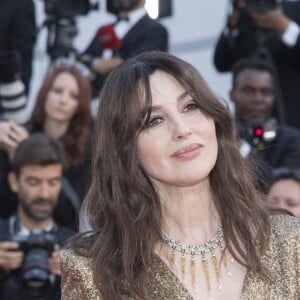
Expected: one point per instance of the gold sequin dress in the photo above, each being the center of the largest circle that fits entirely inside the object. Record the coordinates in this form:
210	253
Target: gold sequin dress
282	260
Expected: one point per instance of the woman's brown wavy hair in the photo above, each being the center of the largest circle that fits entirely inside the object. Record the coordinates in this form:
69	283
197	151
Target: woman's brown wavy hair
122	207
75	138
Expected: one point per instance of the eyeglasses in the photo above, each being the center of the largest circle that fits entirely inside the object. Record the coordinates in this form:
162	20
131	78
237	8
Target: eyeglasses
67	63
286	173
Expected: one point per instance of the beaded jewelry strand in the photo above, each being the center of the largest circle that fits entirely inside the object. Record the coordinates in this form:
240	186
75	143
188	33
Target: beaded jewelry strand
204	251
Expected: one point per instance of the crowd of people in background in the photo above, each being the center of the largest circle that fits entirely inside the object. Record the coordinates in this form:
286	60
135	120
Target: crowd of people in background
260	46
62	113
45	162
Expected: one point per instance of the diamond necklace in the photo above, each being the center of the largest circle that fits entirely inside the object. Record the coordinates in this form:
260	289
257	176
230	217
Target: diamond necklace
206	251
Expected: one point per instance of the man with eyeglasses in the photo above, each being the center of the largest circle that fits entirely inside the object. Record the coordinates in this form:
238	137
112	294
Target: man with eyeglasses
133	32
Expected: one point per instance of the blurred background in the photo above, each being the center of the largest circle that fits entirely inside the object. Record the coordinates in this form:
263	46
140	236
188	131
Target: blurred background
193	26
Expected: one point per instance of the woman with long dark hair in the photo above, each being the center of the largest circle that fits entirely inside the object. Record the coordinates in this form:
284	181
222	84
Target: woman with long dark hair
62	110
173	210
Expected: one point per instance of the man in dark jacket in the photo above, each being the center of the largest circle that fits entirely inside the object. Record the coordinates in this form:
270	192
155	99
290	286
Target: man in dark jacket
253	95
31	241
272	34
134	32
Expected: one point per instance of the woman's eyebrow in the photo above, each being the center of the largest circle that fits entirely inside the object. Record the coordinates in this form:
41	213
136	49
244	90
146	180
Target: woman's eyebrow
180	97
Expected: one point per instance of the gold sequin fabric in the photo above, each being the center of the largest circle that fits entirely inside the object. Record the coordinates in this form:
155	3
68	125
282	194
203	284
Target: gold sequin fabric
282	259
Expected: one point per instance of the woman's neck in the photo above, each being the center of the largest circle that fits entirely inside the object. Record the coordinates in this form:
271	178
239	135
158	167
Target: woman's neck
189	215
55	129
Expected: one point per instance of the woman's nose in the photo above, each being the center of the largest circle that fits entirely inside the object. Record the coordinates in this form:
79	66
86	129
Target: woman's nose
63	98
181	129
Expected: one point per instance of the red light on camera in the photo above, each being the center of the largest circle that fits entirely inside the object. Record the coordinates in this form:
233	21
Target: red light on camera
258	131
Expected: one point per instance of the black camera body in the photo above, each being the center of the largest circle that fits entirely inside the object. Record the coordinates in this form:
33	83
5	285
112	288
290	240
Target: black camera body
61	24
37	247
69	8
260	5
256	5
259	133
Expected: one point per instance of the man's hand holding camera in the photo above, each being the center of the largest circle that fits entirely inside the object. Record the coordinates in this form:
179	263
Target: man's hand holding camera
54	261
10	257
268	18
272	19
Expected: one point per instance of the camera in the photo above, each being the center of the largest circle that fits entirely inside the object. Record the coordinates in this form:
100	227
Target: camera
69	8
260	133
60	21
37	247
255	5
260	5
258	34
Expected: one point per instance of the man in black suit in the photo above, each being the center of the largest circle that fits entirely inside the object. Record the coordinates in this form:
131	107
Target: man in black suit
272	34
134	32
30	241
253	95
18	32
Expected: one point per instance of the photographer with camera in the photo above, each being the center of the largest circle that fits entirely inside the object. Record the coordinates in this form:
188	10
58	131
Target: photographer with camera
31	240
254	99
268	30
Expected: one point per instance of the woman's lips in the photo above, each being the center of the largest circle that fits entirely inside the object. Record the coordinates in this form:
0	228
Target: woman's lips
188	152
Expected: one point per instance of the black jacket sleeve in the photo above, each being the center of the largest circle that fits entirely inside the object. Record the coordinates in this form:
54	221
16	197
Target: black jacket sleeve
24	36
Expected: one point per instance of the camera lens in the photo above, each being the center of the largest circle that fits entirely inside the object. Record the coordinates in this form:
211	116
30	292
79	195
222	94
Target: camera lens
36	276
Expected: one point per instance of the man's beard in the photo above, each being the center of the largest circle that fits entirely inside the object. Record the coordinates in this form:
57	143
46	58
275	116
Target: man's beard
32	214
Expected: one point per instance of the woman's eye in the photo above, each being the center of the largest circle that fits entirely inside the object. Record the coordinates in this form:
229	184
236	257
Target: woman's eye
191	106
57	90
154	121
75	96
292	203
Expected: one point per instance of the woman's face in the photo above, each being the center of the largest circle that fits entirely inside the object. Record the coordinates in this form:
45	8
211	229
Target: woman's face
178	147
62	99
285	193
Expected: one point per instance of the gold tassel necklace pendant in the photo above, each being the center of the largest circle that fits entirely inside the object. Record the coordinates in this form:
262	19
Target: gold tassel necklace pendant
207	262
193	270
182	265
206	272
